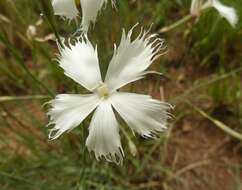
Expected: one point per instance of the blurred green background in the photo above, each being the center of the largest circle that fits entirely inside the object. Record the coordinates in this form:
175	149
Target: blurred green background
203	66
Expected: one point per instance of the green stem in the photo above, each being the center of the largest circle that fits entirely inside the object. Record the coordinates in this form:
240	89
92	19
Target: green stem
217	123
131	144
52	25
125	133
49	15
176	24
18	98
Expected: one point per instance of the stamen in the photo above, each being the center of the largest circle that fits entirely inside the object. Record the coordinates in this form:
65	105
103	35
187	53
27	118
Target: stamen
103	91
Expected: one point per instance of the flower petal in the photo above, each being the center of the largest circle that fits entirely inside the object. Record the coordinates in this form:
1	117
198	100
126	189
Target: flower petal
132	58
104	137
227	12
80	62
90	9
144	115
66	8
68	111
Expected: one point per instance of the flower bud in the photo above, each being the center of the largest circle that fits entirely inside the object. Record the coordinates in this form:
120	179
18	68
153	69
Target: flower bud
132	148
196	7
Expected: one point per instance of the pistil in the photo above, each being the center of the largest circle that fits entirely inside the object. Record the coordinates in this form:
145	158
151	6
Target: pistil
103	91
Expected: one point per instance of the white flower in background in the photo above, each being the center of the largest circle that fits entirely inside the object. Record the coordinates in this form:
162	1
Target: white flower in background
196	7
90	9
227	12
144	115
66	8
69	9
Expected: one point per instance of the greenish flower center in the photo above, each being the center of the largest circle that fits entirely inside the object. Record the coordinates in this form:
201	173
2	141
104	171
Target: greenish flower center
103	91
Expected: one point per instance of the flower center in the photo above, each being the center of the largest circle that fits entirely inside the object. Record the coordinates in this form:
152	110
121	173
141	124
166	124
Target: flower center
103	91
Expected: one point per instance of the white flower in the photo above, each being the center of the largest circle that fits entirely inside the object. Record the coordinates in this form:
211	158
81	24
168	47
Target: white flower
228	13
144	115
196	7
90	9
66	8
69	9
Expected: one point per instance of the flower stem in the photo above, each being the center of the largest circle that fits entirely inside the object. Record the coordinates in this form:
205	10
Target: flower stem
176	24
49	16
17	98
131	144
217	123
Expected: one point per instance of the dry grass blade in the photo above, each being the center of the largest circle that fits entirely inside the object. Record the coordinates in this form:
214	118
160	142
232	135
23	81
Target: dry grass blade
17	98
217	123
